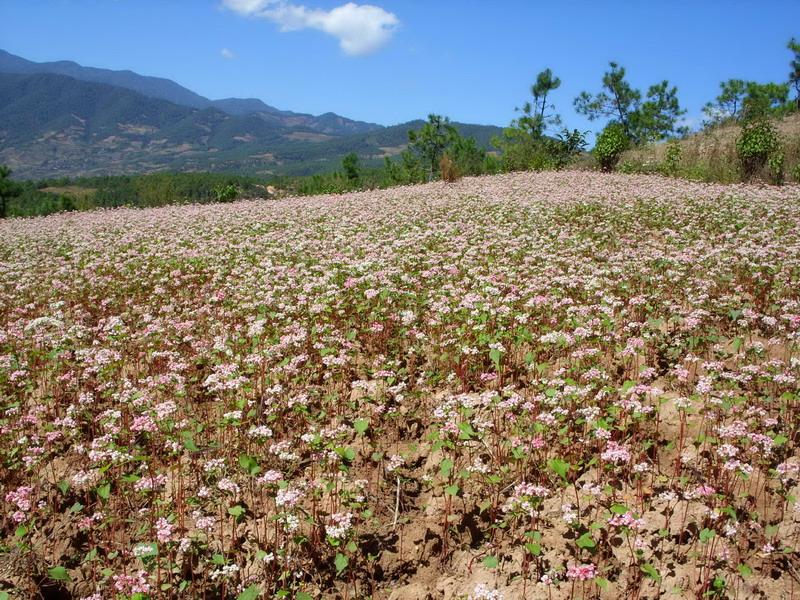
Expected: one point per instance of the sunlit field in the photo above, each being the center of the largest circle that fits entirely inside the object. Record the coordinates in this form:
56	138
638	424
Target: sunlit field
556	385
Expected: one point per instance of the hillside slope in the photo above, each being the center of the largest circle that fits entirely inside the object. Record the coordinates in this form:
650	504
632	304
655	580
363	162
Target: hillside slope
711	155
54	125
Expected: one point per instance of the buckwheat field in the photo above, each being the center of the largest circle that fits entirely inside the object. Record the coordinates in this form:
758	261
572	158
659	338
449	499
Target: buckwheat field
556	385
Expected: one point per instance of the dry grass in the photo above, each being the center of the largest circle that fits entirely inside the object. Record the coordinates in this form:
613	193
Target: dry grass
71	190
449	171
711	155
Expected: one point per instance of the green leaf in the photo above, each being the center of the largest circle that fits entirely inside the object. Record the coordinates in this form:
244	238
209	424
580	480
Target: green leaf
490	562
303	596
104	491
361	425
586	541
744	570
63	485
445	467
250	593
619	509
218	559
188	442
466	432
58	573
706	535
249	464
494	355
559	467
21	531
236	511
651	572
341	562
348	454
533	548
451	490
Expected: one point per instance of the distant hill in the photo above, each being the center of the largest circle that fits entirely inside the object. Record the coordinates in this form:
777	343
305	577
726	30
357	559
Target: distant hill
154	87
54	125
166	89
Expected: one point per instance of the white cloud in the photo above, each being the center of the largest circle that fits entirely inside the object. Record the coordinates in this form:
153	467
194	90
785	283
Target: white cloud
227	54
360	28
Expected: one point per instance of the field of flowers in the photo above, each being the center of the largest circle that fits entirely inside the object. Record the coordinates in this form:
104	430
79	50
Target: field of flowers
557	385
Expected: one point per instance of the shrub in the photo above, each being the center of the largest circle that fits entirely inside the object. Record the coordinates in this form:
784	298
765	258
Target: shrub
448	169
225	193
467	157
796	173
611	143
351	167
775	165
758	143
672	158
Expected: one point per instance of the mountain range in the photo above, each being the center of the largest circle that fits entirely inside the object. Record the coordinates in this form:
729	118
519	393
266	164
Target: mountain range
63	119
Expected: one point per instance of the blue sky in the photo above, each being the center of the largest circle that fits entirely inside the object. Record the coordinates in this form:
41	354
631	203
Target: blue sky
402	59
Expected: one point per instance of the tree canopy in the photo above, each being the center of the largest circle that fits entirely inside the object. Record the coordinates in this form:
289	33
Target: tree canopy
654	118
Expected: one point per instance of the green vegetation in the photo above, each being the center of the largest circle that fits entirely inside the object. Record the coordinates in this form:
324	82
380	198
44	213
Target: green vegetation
742	101
751	132
158	189
430	142
525	144
794	73
8	190
611	143
652	119
759	145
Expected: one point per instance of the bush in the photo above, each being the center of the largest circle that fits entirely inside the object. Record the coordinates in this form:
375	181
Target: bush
611	143
775	165
448	169
796	173
225	193
672	158
757	145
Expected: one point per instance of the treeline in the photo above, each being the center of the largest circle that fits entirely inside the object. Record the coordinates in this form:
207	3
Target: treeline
46	196
535	140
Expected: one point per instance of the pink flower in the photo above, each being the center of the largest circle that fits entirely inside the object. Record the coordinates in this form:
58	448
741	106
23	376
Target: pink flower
164	530
616	453
581	572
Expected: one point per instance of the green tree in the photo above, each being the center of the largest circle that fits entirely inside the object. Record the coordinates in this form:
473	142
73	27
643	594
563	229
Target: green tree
764	99
741	100
728	105
8	189
655	118
352	168
430	142
524	143
534	119
617	100
794	73
468	158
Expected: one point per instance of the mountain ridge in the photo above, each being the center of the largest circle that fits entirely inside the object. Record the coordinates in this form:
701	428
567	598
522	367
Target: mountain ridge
54	125
164	89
